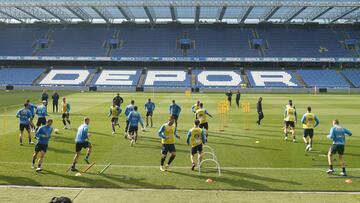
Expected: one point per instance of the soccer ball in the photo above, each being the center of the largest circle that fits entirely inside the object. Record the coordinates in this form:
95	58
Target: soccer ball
56	131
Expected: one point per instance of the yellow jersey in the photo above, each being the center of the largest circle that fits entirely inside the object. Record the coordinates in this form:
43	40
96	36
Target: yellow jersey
115	111
195	136
65	108
290	114
309	121
169	133
195	107
201	114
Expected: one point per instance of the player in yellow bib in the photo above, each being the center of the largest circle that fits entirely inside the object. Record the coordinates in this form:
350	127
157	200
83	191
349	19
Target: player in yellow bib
196	138
290	118
65	110
114	112
167	133
201	115
195	107
309	121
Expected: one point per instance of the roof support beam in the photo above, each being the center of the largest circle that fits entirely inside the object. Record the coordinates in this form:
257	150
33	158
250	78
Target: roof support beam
271	13
247	13
31	14
102	13
197	13
344	14
127	15
322	13
54	13
221	13
150	14
295	14
78	12
11	16
173	12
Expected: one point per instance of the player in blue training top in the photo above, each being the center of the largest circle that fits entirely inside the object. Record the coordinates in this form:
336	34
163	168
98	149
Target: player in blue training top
149	107
175	110
42	135
41	112
134	119
337	135
32	109
129	108
82	141
24	116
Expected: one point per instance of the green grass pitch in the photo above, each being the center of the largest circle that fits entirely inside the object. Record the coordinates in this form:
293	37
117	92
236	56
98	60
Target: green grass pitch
270	164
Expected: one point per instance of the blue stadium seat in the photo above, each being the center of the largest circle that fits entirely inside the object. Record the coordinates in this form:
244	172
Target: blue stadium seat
353	75
154	77
322	78
115	78
272	78
19	76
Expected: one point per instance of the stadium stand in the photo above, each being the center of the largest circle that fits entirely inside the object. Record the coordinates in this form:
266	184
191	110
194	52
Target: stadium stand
66	77
19	76
353	75
302	42
217	79
166	78
118	78
322	78
272	78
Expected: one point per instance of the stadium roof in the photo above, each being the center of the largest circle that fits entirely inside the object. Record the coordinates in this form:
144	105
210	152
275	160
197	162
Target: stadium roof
184	11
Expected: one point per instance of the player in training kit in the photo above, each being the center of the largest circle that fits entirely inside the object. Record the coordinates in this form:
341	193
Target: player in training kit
259	111
129	108
201	115
149	107
114	112
81	141
290	118
24	116
41	113
195	107
65	110
196	138
175	110
167	133
309	121
42	135
337	135
134	119
32	109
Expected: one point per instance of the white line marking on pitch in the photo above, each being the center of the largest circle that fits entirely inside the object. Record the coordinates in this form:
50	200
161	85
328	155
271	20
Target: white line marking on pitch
178	167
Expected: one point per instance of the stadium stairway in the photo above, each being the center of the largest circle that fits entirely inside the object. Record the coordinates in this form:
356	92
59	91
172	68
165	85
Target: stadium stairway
299	78
256	36
91	77
41	77
346	79
245	78
141	81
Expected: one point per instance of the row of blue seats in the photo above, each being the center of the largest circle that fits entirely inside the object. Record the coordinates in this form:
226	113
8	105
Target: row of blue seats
180	78
161	42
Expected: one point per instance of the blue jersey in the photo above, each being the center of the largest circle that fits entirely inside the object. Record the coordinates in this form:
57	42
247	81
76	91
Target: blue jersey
32	109
82	133
175	109
24	116
149	106
129	108
337	134
134	118
41	111
43	134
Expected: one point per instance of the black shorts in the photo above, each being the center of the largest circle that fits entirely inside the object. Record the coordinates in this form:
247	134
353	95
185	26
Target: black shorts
204	125
115	120
308	133
337	148
41	147
149	113
133	129
81	145
197	149
24	126
65	115
175	117
290	124
41	121
166	148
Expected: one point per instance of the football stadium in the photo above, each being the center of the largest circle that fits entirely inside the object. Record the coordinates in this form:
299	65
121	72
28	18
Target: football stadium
179	101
